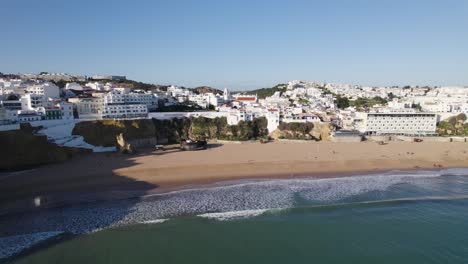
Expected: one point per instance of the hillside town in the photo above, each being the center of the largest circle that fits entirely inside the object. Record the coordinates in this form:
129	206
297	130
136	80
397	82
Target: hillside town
351	109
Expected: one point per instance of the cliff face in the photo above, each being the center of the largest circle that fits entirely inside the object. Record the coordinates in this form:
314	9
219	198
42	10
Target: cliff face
303	131
22	149
454	126
105	132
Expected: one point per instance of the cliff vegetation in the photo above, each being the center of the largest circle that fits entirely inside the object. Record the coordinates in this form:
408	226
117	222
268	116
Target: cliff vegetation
105	132
454	126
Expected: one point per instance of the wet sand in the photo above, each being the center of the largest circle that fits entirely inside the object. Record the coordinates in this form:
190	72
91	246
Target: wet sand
104	176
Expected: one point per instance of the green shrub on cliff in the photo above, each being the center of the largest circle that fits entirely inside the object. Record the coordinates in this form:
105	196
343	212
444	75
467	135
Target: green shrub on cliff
303	131
218	128
104	132
454	126
296	130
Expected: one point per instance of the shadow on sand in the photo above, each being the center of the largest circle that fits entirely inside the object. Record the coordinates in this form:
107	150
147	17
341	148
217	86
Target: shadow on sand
175	149
78	196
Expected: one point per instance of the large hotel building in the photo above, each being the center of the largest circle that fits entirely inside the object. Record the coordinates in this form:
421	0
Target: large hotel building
401	122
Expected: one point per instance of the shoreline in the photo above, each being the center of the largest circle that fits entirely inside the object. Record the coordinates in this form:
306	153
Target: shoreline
93	198
111	176
84	208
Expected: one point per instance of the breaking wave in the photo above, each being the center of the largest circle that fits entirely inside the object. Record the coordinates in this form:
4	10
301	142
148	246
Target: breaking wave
234	214
155	221
244	199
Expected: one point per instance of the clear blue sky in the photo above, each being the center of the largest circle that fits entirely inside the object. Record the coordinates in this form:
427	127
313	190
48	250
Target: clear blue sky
240	44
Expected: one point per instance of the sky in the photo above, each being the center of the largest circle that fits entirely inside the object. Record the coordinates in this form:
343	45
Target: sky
240	44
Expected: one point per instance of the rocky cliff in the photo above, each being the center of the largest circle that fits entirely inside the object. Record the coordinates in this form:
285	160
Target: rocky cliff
303	131
22	149
105	132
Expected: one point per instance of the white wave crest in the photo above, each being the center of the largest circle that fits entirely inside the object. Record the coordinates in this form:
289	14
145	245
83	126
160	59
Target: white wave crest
155	221
223	216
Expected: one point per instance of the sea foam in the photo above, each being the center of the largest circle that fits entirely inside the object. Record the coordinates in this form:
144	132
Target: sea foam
12	245
223	216
155	221
235	200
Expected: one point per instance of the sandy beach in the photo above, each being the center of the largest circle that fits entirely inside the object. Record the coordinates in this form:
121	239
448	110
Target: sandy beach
112	175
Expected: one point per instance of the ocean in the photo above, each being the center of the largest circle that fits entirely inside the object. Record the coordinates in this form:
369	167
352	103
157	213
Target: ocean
393	217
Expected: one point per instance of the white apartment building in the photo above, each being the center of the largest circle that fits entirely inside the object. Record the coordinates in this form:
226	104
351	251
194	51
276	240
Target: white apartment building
25	116
114	97
401	123
73	86
235	116
273	118
114	106
199	100
8	116
124	111
32	101
67	110
213	100
88	107
49	90
11	104
109	77
99	86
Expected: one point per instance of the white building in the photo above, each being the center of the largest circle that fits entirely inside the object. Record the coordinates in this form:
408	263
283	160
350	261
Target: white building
115	97
8	116
109	77
88	107
124	111
32	101
273	119
25	116
73	86
49	90
226	95
401	123
67	110
199	100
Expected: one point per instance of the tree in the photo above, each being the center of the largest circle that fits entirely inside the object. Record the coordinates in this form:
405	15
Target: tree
265	92
461	117
260	127
12	97
342	102
211	107
60	83
416	106
379	100
452	121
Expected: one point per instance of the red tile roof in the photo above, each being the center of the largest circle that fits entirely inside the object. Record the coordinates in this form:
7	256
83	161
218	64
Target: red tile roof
246	99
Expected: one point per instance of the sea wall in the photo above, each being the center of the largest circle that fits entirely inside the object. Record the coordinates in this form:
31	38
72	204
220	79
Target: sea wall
411	139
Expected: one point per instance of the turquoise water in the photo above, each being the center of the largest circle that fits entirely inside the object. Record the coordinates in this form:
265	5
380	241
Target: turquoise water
398	218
